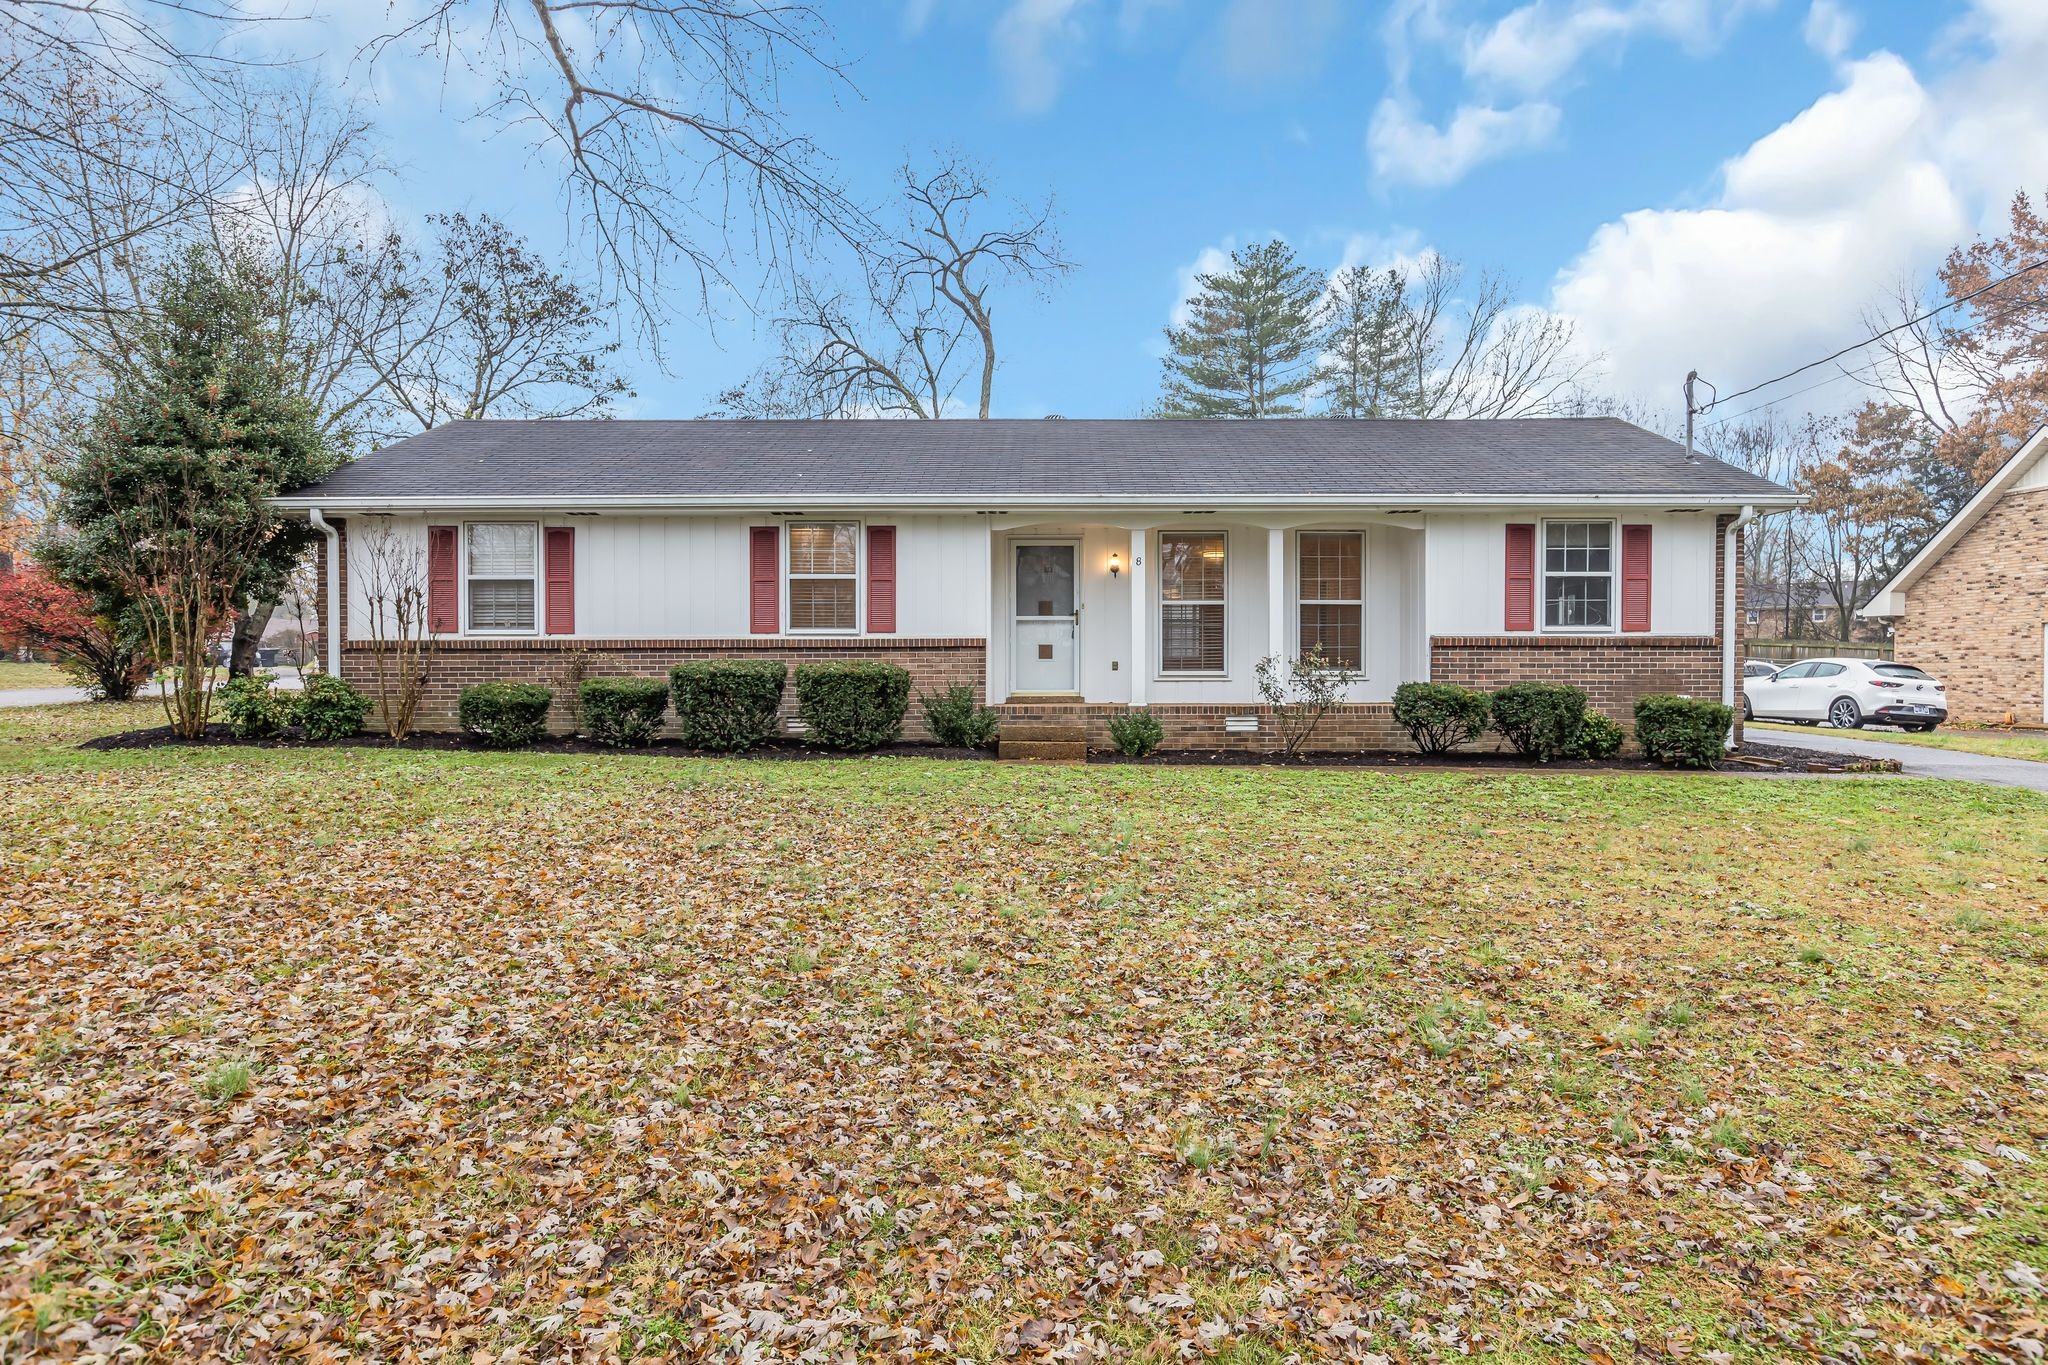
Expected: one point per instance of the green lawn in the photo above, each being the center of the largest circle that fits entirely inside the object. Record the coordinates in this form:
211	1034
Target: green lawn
908	1059
13	674
1996	743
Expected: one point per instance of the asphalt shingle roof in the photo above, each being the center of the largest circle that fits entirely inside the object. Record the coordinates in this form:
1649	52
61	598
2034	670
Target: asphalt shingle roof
994	460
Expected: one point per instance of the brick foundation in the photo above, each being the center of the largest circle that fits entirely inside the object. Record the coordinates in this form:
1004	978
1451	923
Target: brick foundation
1614	671
1200	725
934	664
1975	618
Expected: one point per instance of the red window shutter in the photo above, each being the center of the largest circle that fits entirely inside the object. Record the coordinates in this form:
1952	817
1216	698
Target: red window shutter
1521	613
1635	578
444	593
881	580
561	580
764	591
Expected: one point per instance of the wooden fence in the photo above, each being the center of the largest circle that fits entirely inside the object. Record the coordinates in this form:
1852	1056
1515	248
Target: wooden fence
1791	651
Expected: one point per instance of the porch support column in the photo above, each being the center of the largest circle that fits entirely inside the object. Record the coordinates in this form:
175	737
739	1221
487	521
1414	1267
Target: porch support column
1140	662
1276	592
989	695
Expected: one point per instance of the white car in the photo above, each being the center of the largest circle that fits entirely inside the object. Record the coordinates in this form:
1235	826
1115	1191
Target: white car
1847	693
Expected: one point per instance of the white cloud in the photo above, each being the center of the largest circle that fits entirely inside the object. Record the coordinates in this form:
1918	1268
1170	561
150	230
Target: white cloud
917	14
1829	29
1032	42
1035	42
1818	220
1405	147
1512	68
1532	49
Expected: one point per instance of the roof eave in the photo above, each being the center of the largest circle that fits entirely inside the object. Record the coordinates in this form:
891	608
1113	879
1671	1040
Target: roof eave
1891	598
1163	500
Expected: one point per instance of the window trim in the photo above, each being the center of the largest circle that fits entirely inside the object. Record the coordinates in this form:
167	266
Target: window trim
1543	626
538	578
1160	672
1300	601
859	575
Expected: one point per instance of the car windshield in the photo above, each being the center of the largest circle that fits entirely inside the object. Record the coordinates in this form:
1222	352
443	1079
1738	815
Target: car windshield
1899	671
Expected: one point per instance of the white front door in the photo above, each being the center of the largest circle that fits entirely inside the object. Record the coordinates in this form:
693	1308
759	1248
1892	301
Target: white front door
1046	629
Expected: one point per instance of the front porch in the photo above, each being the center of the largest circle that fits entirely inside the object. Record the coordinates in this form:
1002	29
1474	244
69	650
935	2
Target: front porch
1088	618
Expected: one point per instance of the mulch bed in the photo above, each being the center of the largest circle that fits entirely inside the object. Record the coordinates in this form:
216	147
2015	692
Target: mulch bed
436	741
1774	758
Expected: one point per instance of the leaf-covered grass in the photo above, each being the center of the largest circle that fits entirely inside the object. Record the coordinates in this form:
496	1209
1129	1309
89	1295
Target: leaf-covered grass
1995	743
15	674
897	1059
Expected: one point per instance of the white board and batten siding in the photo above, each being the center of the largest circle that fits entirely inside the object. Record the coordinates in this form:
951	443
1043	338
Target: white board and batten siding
1467	568
687	577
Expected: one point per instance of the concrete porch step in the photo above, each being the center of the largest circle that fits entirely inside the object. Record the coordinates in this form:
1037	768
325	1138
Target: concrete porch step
1044	732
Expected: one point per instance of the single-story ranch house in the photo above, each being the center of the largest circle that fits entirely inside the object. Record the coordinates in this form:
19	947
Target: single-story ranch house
1972	606
1067	570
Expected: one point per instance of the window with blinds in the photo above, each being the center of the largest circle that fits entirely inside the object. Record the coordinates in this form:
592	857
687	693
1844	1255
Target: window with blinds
502	562
824	568
1578	575
1332	600
1193	594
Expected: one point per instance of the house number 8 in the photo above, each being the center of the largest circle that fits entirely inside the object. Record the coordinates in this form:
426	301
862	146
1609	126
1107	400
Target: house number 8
1136	560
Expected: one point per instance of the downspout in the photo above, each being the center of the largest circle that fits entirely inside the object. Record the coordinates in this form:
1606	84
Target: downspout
335	606
1728	698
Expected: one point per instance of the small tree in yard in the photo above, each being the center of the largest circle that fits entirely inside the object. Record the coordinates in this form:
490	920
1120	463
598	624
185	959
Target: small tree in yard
402	639
100	648
1301	693
164	503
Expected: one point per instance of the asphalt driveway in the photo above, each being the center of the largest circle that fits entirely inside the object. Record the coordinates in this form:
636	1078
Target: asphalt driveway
1919	761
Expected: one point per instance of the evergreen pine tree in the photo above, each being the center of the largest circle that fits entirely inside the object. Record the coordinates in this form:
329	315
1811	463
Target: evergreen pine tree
164	504
1365	350
1250	346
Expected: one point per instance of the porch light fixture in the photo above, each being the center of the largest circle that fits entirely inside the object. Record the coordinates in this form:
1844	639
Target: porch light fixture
1116	564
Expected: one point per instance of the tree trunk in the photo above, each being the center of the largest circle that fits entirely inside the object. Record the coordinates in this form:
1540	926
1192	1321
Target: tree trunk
249	628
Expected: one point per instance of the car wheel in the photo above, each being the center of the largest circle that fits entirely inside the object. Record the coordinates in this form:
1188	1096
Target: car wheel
1747	714
1845	714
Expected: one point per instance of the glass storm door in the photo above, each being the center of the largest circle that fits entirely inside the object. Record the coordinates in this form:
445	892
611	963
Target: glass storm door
1045	634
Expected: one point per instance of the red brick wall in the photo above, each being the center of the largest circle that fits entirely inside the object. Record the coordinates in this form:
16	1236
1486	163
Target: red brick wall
1199	725
562	663
1613	670
1975	618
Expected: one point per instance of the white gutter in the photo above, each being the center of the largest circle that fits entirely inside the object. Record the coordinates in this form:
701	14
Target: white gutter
335	606
1748	515
1162	503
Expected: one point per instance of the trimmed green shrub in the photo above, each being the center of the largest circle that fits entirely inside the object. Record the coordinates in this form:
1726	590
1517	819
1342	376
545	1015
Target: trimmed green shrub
1598	737
1539	719
255	709
505	715
1440	716
727	704
1136	733
854	705
331	709
955	718
623	711
1686	731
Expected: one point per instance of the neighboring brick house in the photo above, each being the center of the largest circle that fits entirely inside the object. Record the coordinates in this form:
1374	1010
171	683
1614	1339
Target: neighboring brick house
1972	606
1065	570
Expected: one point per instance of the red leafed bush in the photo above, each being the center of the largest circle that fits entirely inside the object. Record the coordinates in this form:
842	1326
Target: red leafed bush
100	652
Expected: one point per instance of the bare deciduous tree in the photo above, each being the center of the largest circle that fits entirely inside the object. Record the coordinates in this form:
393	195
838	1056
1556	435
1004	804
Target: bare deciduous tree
1473	352
667	122
921	323
402	639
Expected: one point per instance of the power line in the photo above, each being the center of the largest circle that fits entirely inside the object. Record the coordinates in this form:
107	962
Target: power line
1860	372
1880	336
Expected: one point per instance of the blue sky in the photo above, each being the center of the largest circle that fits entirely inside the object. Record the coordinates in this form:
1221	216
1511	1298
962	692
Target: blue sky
1720	183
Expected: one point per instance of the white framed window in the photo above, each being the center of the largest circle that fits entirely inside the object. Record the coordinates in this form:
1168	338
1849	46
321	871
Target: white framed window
1193	601
1752	616
1580	587
1331	604
1818	615
824	576
501	573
